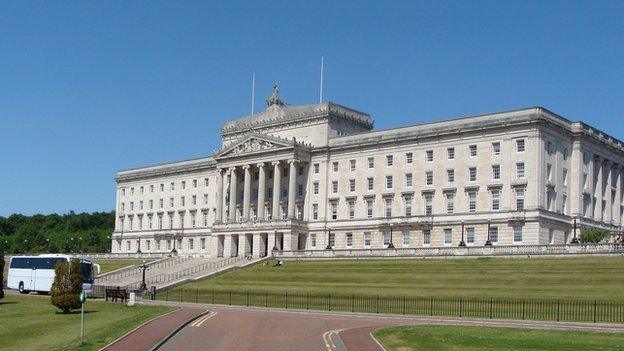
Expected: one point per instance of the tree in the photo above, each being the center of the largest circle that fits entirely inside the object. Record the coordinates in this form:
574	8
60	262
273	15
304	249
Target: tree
67	285
1	276
592	235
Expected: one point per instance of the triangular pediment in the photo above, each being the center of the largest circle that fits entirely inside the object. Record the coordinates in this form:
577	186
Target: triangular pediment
252	143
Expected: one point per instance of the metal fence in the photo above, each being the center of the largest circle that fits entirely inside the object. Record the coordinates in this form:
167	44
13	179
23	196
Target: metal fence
497	308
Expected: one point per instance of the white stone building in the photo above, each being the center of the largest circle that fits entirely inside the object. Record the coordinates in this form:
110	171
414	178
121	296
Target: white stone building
303	177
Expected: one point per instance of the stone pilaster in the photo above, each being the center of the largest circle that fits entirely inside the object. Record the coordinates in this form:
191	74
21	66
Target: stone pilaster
292	188
233	193
261	190
277	185
247	193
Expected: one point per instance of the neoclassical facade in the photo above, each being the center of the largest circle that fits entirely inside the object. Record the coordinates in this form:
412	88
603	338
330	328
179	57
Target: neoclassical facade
315	177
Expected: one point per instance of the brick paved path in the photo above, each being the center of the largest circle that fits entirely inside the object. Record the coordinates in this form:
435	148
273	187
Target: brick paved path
149	335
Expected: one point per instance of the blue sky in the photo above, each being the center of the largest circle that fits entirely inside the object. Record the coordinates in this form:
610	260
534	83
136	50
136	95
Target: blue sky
88	88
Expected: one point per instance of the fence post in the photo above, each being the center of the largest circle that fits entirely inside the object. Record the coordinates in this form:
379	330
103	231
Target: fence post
330	302
213	296
352	298
167	294
594	311
247	298
181	294
377	305
403	304
523	308
197	295
557	310
431	306
230	299
308	300
266	299
461	306
491	301
286	295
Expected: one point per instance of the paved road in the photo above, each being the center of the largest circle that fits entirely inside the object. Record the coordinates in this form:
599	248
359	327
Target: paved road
239	328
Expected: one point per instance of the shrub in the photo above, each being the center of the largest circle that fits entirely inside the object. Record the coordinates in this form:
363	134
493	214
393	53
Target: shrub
1	277
592	235
67	285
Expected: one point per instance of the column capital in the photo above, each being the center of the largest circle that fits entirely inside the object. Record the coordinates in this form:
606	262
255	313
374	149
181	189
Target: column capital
260	165
232	169
292	161
246	167
275	163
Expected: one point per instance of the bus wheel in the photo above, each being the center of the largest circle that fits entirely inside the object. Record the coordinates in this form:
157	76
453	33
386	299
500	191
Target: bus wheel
21	288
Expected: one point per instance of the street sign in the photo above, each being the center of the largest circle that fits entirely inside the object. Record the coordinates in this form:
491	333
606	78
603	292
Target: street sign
83	297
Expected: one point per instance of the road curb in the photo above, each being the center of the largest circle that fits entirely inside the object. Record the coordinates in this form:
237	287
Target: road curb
176	330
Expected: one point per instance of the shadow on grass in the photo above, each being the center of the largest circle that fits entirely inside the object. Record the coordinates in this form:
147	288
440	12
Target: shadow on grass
75	312
7	302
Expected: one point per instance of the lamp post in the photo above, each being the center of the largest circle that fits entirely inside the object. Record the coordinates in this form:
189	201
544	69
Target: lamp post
25	245
6	246
488	242
575	240
391	244
328	247
462	242
275	249
143	268
139	246
109	244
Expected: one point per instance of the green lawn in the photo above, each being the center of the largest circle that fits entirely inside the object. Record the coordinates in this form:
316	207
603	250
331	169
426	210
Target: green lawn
464	338
593	277
113	264
32	323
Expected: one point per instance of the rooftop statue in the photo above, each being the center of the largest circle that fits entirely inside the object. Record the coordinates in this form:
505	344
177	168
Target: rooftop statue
275	99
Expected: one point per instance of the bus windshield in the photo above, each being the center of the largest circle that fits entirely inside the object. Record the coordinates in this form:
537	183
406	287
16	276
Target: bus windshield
87	272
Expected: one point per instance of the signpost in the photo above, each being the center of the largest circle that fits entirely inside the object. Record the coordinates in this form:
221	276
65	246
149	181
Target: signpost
83	298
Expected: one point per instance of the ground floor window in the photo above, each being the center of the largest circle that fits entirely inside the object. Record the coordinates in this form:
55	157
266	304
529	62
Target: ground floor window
386	239
517	234
470	235
448	236
149	245
349	239
494	234
203	243
367	239
551	236
406	238
190	244
313	240
332	240
426	237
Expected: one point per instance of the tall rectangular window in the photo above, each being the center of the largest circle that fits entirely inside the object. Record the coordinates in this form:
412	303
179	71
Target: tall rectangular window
369	208
335	187
470	235
450	176
450	203
370	182
496	172
426	237
408	180
429	178
388	207
408	206
367	239
315	188
351	209
472	202
314	211
494	234
332	239
495	200
520	199
203	243
389	160
428	205
334	210
349	239
520	170
183	184
317	168
335	166
429	156
352	165
520	145
472	174
406	238
473	150
206	182
448	236
450	153
352	185
313	239
409	158
496	148
386	238
371	162
194	183
389	182
517	234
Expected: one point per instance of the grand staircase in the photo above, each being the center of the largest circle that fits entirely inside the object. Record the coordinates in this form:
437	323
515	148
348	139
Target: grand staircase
169	271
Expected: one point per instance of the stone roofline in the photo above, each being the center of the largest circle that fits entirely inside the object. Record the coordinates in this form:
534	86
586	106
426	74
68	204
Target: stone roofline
415	131
305	112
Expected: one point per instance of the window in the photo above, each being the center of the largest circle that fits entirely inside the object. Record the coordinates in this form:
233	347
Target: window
565	154
494	234
194	183
472	201
389	182
194	199
335	187
389	160
149	222
152	188
162	187
141	189
316	168
160	222
299	190
496	149
131	190
300	171
352	165
205	199
429	156
193	219
496	172
206	182
408	205
151	204
367	239
565	177
313	239
428	205
371	182
205	218
149	245
426	237
131	205
203	243
473	150
386	238
551	236
160	203
520	199
315	188
172	186
520	145
472	174
448	236
520	170
352	185
351	209
388	207
450	153
450	176
123	192
190	244
270	193
470	235
369	208
371	162
549	148
517	238
406	238
548	172
409	158
408	180
429	178
495	200
349	239
564	205
315	211
182	201
335	166
334	210
450	203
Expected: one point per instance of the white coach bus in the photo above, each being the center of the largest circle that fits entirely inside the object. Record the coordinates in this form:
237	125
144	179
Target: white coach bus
36	273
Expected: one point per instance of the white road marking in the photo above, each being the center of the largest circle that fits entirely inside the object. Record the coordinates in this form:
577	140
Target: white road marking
201	321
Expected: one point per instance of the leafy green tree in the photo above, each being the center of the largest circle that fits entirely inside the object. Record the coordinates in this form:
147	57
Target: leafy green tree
67	285
1	276
592	235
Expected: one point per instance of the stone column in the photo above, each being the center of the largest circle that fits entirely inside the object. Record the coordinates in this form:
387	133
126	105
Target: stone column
261	191
292	188
598	190
608	217
227	246
270	241
243	248
247	193
277	185
617	211
576	180
233	193
219	205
